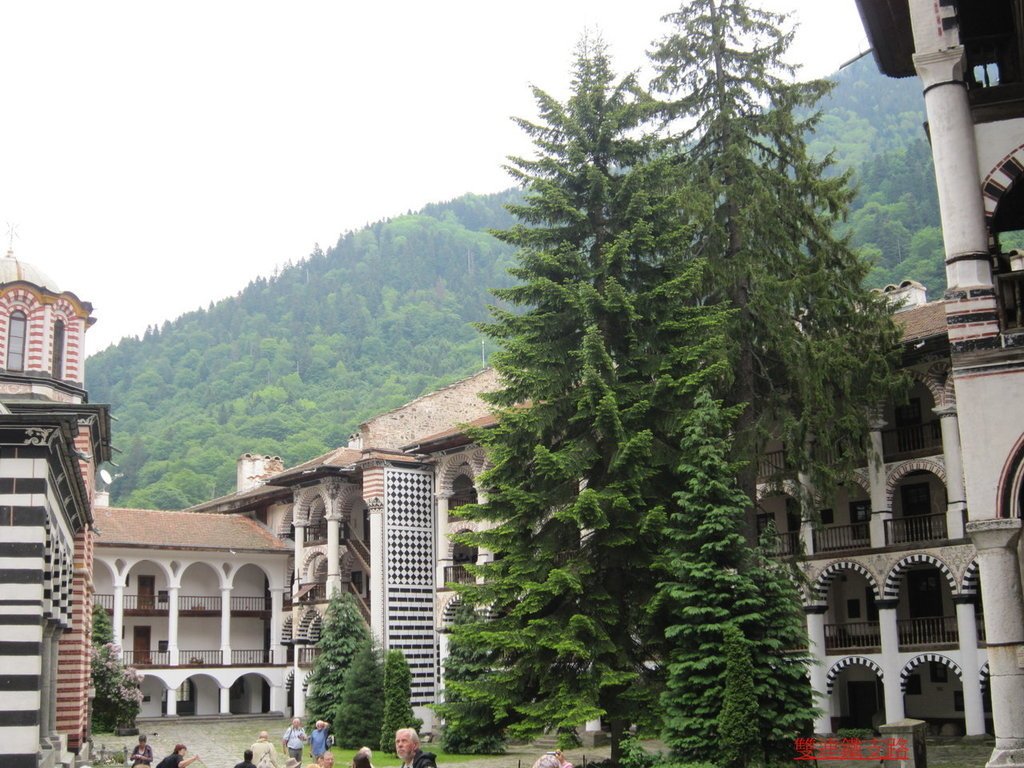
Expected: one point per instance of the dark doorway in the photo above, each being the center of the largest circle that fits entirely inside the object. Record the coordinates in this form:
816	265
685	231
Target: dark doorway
147	593
924	594
863	700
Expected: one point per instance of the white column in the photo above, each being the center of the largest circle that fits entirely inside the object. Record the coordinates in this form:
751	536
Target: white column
951	134
225	625
967	630
276	622
172	625
483	556
299	696
806	514
172	701
880	512
955	496
996	542
819	666
378	590
300	543
118	619
225	701
333	552
442	537
890	660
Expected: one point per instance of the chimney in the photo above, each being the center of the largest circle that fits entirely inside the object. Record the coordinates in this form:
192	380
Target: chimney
254	469
906	295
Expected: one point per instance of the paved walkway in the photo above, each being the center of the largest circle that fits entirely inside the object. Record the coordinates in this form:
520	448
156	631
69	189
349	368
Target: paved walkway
220	743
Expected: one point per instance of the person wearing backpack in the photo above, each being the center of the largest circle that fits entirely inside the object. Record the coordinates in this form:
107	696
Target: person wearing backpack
264	755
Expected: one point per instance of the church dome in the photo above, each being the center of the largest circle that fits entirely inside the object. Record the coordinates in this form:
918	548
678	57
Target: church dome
11	269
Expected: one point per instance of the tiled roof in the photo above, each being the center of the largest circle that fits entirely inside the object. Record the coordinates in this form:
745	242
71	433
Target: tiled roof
923	321
339	457
182	530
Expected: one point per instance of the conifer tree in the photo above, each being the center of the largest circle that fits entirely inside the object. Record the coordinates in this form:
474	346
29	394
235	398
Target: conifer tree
715	584
597	369
102	629
343	633
469	725
812	351
737	722
360	711
397	696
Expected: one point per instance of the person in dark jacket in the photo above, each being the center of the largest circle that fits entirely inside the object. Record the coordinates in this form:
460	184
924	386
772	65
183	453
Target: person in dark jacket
407	746
177	758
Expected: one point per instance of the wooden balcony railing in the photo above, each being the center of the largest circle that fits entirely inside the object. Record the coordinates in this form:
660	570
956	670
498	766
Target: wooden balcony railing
906	530
771	464
316	533
457	574
913	439
132	658
251	604
203	603
308	654
1010	290
252	658
361	602
786	544
833	538
104	601
932	630
311	593
853	634
360	549
203	658
143	602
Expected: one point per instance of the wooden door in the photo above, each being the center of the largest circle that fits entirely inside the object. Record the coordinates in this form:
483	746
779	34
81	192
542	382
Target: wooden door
147	593
141	645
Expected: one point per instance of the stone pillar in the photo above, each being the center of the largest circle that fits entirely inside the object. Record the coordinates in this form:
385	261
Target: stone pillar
442	536
225	625
819	666
333	552
278	702
172	701
967	630
118	618
298	695
996	542
880	512
300	555
172	625
276	627
890	660
951	131
378	587
483	556
911	735
807	515
956	497
225	701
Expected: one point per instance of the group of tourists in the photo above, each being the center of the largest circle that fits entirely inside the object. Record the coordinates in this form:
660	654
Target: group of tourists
264	754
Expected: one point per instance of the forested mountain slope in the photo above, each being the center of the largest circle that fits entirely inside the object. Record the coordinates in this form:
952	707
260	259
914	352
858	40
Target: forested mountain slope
293	363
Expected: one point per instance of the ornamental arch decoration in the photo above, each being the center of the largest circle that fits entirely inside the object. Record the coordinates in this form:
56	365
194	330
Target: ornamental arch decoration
850	661
920	659
821	584
969	583
905	468
1010	491
891	590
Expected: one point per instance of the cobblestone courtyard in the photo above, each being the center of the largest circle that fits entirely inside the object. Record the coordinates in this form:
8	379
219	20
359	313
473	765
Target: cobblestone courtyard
220	743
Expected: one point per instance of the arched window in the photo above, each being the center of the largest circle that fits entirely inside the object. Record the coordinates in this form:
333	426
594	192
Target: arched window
57	365
16	342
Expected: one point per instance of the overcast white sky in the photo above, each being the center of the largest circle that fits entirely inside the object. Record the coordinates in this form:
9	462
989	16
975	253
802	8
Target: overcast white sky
156	156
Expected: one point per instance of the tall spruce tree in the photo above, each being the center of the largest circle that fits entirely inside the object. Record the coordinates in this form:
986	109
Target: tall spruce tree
360	710
344	633
597	370
397	697
739	740
715	584
469	725
812	351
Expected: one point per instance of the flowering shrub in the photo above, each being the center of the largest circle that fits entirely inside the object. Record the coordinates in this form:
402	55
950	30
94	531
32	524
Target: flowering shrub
118	690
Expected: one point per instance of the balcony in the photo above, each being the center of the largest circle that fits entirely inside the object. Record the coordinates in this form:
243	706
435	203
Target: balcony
198	658
308	654
928	631
316	534
835	538
910	530
458	574
912	440
311	593
1010	287
132	658
188	605
771	465
854	635
785	545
